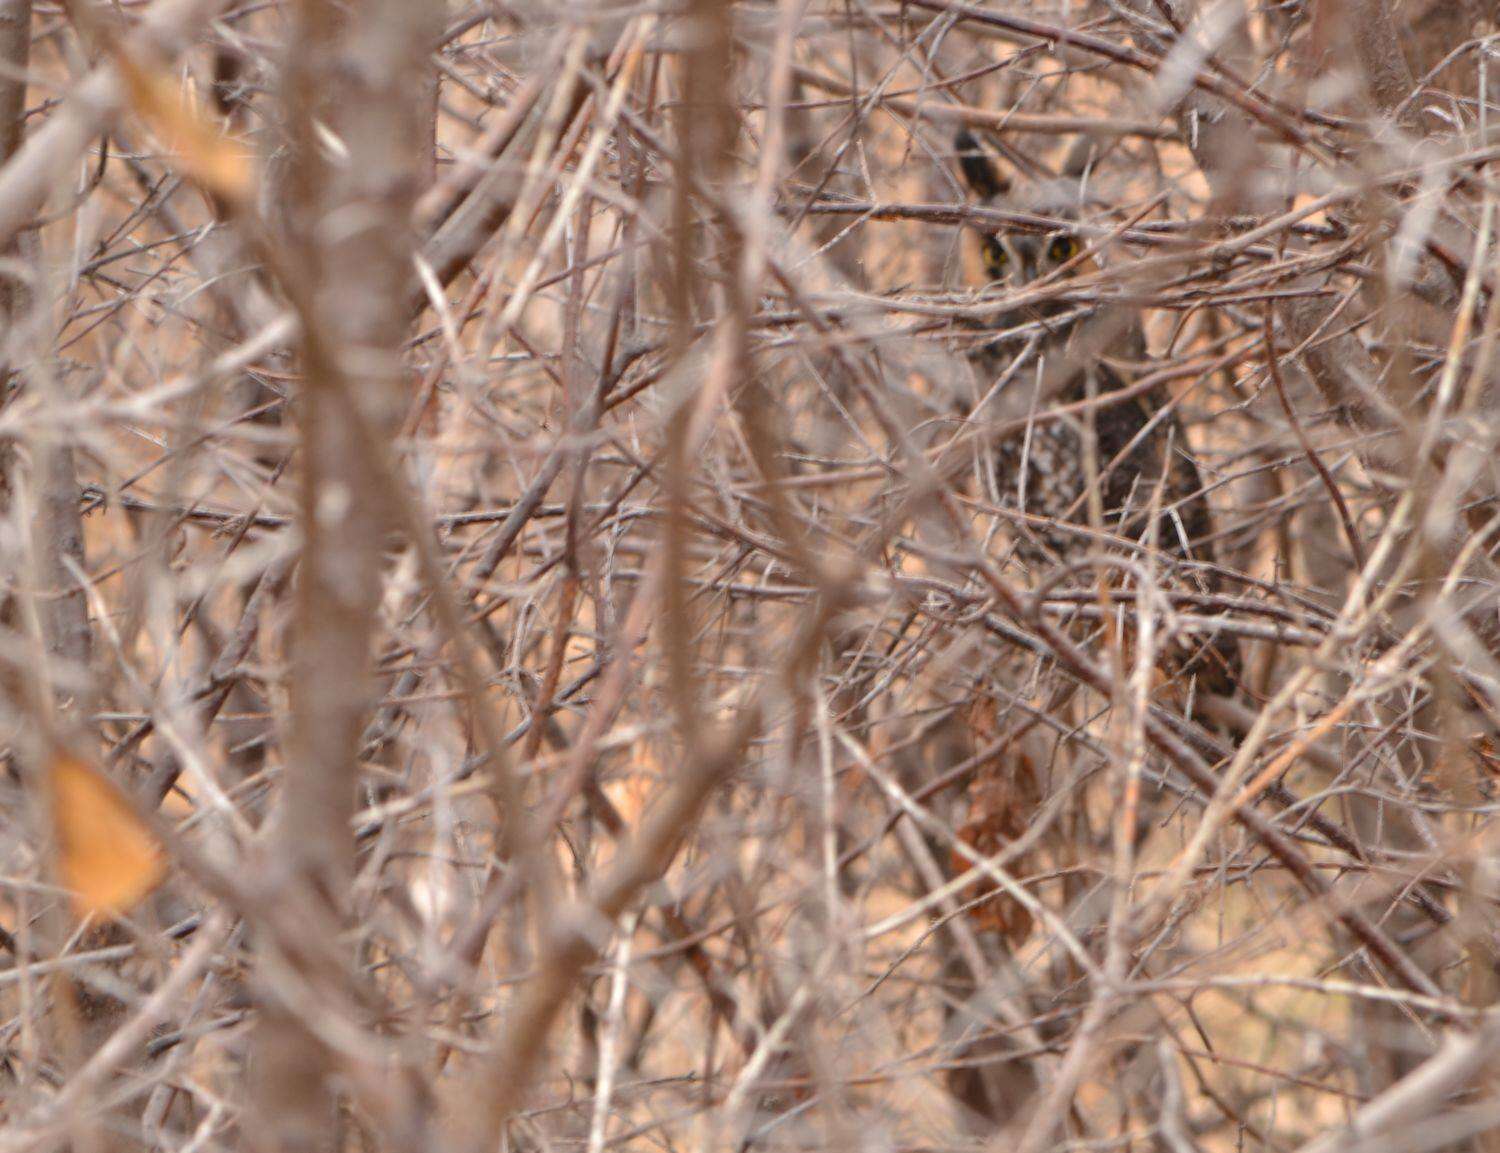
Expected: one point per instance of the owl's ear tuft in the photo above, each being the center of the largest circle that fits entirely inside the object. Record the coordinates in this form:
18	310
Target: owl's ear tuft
1080	157
978	166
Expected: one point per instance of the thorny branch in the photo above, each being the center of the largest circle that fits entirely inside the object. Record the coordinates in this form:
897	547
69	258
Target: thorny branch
562	525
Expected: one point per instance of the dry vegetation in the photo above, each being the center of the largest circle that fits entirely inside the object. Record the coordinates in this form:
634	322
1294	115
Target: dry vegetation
512	635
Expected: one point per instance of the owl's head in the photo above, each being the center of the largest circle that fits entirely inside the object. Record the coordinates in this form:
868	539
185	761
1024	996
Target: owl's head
1014	257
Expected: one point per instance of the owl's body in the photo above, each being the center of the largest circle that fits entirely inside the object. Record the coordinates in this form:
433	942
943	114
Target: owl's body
1044	475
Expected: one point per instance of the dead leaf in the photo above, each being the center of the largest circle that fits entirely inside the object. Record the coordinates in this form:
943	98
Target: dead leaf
106	855
1003	799
200	148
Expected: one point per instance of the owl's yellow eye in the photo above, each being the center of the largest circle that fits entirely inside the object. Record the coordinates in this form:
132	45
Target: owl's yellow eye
995	257
1062	249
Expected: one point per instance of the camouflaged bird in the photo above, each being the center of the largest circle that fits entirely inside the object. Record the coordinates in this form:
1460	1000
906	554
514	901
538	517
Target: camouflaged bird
1042	470
1043	357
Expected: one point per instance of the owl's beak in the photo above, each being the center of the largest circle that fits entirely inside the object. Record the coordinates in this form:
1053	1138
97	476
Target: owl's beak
1027	317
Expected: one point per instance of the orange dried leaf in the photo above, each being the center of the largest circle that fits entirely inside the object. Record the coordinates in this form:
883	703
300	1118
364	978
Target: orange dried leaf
200	147
1003	799
106	855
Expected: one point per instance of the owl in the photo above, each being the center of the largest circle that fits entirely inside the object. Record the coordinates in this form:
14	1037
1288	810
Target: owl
1067	426
1042	466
